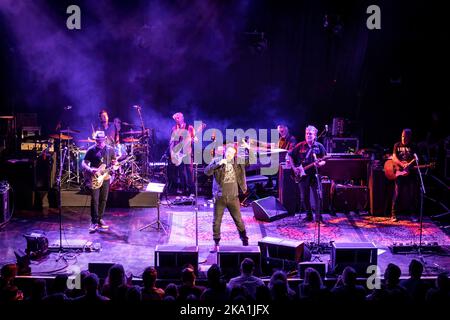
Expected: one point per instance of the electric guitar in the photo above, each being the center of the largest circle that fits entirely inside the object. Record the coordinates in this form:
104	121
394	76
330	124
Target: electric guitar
392	170
299	172
95	180
176	153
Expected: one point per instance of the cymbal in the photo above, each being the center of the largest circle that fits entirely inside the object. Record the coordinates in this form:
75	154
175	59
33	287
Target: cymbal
135	131
128	140
6	117
86	140
62	137
70	131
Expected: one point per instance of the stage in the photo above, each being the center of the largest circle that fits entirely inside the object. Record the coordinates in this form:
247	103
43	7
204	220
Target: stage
124	242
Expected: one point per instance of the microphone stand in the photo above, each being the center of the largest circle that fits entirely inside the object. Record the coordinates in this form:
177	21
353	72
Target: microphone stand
58	182
318	212
422	193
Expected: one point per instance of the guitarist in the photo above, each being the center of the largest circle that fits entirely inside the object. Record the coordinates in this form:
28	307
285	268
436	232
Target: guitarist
405	186
96	155
303	154
182	136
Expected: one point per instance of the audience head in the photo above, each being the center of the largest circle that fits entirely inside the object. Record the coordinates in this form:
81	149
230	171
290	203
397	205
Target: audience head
149	277
349	276
171	291
188	274
415	269
312	278
91	283
116	276
392	274
247	266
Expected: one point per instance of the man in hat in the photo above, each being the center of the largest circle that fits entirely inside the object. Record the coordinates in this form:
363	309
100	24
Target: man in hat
96	155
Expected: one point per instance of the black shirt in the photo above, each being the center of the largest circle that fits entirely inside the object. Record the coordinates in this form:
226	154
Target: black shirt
303	154
96	156
404	152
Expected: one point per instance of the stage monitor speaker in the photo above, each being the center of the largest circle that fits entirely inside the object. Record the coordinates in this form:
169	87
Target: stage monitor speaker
101	269
171	259
282	254
359	255
288	190
229	259
268	209
320	267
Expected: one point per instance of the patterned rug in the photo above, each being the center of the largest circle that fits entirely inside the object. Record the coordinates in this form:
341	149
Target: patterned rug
341	228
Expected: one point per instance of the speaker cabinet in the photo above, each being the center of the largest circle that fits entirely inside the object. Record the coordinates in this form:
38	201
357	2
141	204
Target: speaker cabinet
350	198
381	192
171	259
268	209
357	255
288	190
100	269
320	267
229	259
281	254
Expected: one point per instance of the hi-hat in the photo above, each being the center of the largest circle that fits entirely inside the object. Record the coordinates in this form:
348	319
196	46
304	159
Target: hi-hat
132	132
62	136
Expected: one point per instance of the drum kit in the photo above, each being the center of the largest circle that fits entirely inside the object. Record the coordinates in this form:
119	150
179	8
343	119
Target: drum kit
131	175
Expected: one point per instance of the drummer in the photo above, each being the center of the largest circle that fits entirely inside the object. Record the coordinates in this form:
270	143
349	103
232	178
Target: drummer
105	126
120	148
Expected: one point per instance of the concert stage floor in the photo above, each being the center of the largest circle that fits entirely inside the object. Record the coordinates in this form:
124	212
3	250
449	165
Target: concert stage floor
124	243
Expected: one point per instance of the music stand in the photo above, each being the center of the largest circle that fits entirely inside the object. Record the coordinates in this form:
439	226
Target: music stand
158	188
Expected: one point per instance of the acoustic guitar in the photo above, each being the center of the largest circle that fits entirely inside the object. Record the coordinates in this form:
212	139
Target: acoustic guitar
392	170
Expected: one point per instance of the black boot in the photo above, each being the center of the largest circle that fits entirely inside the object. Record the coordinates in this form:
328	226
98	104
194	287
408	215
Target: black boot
244	238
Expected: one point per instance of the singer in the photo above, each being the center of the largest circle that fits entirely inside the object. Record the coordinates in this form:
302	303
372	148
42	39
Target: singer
406	186
229	176
303	154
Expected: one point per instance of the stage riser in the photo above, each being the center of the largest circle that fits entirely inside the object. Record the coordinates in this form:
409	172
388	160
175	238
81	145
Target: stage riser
116	199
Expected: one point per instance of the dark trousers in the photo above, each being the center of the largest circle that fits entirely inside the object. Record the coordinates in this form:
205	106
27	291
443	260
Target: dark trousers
307	185
98	201
233	205
181	177
405	195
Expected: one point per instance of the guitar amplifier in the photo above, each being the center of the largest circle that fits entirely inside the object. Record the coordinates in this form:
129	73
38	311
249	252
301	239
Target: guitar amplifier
288	190
348	198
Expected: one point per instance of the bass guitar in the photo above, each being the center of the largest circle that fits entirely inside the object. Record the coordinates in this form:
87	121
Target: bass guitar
177	153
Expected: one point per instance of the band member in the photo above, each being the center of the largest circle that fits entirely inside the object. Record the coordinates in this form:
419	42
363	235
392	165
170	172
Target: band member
305	153
96	155
405	186
180	146
108	128
229	176
287	141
